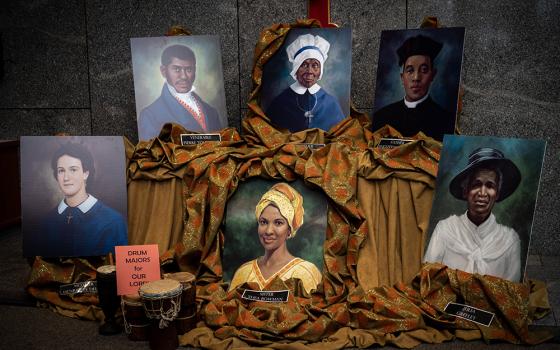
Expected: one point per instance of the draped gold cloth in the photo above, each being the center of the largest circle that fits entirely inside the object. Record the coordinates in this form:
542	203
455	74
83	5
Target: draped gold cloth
374	288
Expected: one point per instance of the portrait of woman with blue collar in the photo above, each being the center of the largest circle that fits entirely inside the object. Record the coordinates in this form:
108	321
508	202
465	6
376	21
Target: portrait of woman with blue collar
81	224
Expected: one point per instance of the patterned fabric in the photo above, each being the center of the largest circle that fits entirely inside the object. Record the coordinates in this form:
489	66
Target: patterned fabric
288	201
341	312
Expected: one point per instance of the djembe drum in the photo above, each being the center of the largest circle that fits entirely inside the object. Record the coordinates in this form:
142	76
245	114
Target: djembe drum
135	321
108	298
162	301
186	319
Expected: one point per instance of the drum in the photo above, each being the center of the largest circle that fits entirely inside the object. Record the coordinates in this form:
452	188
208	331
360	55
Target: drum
188	281
135	321
108	298
187	318
162	301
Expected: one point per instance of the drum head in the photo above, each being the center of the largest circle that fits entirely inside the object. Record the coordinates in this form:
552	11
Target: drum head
185	277
107	269
160	289
132	299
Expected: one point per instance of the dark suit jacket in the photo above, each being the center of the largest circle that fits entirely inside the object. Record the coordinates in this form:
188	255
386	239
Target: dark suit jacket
166	109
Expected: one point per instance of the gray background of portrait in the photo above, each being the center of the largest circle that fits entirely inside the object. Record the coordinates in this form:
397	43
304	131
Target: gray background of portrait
39	189
336	73
67	65
241	242
445	87
517	210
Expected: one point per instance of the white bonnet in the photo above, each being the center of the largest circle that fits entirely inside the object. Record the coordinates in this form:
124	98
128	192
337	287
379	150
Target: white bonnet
304	47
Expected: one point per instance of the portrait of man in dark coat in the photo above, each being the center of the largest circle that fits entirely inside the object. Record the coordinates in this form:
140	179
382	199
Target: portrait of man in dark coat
420	109
179	101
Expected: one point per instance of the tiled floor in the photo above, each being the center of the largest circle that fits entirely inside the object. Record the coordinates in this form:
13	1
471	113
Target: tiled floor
24	327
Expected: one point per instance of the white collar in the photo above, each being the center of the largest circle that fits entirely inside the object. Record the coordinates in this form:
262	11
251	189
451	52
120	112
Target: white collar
484	228
84	207
415	103
300	89
182	95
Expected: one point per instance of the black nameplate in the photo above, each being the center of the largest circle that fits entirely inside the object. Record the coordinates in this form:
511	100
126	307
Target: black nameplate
270	296
470	313
392	143
87	287
312	146
193	139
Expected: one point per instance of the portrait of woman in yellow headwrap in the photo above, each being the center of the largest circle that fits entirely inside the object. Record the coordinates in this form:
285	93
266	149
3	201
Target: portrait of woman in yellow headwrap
279	214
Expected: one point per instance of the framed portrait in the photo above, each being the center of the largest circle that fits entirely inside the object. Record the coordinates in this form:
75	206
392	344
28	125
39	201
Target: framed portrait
73	195
484	203
178	79
418	78
306	84
249	238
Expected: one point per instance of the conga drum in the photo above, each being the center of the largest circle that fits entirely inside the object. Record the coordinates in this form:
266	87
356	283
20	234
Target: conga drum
135	320
162	301
108	298
187	318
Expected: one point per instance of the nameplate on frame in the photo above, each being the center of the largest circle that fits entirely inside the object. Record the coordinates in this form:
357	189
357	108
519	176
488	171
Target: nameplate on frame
470	313
392	143
269	296
193	139
87	287
312	146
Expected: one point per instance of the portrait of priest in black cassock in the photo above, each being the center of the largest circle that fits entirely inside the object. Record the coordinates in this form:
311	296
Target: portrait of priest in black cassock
417	110
305	104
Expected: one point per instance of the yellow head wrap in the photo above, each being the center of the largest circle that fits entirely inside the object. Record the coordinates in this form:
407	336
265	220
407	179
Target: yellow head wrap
288	201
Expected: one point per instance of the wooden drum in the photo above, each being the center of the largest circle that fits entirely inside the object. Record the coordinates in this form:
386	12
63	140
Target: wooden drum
187	317
135	321
162	301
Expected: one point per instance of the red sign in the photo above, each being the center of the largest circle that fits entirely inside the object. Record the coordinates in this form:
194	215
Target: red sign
136	265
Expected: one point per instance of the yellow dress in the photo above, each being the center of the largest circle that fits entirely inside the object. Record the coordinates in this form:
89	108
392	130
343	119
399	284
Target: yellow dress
306	271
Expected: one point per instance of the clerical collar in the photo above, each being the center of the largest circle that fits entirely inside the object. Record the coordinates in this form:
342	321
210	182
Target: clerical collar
415	103
84	207
300	89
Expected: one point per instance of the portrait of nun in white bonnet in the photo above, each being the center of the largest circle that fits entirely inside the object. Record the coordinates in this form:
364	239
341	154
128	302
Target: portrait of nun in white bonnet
305	103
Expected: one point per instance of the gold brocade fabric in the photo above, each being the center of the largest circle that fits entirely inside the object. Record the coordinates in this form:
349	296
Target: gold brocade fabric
342	312
395	189
374	290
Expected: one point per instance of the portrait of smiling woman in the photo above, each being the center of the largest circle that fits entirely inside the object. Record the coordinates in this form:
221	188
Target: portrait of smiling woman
80	224
279	214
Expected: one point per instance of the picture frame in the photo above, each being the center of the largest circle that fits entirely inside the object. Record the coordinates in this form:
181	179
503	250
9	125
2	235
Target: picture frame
461	156
417	81
73	195
157	104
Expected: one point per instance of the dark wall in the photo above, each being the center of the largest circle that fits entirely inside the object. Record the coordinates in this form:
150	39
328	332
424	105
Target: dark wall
67	65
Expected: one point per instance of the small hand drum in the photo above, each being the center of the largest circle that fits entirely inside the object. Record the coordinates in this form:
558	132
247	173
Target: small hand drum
108	298
135	321
161	300
187	317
